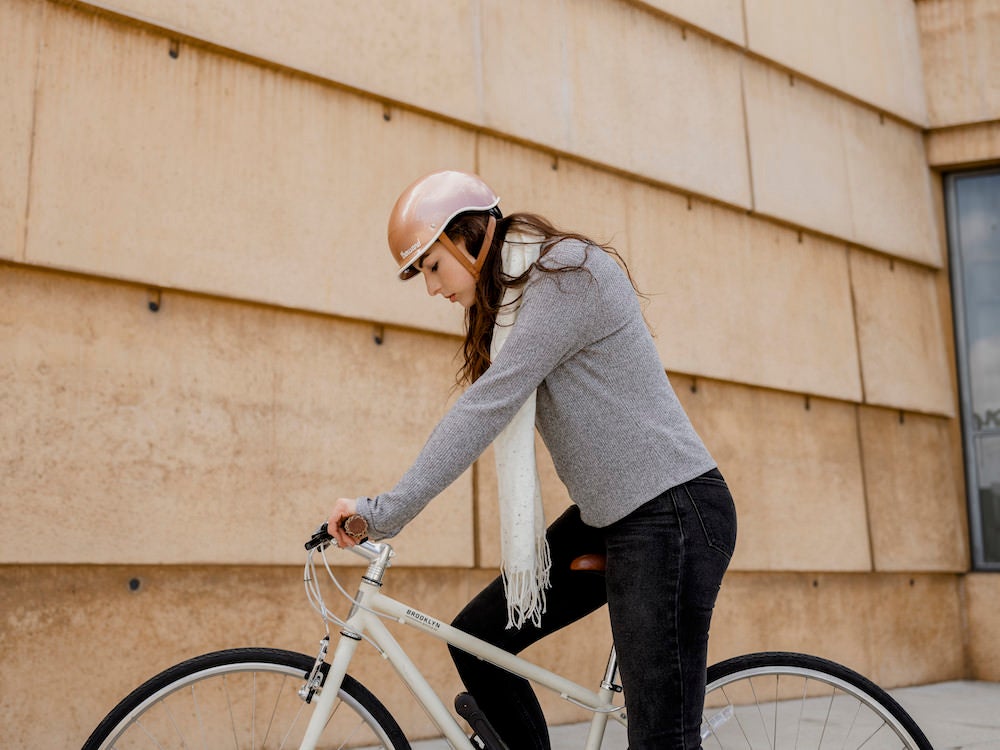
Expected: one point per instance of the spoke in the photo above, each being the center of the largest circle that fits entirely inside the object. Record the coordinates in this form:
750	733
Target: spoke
295	720
151	737
717	720
739	723
201	724
173	721
760	711
777	681
850	729
802	708
330	718
274	710
232	719
826	721
253	713
880	728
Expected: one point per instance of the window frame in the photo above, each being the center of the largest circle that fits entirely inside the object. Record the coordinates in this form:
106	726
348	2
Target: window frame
956	271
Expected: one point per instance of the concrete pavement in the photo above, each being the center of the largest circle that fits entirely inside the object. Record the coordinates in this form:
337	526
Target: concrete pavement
953	715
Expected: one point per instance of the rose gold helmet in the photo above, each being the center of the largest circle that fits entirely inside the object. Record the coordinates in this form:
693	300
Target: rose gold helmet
424	210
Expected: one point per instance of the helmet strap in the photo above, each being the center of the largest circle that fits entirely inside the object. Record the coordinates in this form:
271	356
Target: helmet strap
484	249
471	264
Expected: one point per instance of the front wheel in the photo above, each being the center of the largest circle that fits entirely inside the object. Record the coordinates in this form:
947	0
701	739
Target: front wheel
241	698
779	699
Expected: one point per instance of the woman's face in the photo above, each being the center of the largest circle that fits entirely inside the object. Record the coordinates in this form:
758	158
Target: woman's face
444	275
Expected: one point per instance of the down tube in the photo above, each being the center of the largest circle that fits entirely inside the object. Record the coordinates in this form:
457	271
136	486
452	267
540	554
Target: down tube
417	683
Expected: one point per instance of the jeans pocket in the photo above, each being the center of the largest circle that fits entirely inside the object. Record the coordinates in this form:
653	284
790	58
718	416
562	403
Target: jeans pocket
713	507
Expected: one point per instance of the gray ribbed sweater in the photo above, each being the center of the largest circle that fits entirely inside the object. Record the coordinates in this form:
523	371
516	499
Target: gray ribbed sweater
617	434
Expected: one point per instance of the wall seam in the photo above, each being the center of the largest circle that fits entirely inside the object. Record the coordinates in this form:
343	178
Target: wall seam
865	495
29	177
746	137
857	326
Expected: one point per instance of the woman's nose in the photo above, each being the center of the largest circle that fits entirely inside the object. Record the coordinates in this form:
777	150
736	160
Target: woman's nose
433	287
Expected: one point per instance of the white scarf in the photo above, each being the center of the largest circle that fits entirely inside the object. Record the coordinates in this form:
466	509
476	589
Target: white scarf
524	551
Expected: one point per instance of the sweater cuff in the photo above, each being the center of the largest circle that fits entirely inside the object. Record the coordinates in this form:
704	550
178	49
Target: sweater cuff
364	510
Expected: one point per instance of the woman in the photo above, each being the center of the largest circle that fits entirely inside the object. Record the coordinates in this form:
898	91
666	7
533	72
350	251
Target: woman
555	339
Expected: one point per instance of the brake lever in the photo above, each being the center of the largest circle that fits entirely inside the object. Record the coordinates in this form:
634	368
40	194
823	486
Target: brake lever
320	538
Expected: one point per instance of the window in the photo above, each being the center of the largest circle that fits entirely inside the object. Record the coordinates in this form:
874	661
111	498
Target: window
974	239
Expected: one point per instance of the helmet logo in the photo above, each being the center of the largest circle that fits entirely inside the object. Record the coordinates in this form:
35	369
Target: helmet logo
410	250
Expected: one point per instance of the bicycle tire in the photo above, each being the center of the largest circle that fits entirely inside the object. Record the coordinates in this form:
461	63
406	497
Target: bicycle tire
777	699
246	697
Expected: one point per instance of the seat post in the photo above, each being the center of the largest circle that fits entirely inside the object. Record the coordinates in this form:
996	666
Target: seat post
608	683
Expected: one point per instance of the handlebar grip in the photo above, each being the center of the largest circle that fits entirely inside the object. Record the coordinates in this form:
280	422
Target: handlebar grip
356	527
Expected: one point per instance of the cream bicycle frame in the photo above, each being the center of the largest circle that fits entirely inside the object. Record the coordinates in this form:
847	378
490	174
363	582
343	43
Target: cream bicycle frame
363	622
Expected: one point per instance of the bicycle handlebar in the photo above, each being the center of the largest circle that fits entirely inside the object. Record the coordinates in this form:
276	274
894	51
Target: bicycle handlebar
321	537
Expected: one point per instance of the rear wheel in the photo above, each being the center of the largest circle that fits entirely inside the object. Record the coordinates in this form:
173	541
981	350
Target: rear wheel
780	699
241	698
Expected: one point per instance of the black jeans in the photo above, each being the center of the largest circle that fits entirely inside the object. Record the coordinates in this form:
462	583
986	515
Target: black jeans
665	565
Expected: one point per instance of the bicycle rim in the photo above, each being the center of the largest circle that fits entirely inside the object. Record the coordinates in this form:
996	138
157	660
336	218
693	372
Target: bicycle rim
242	698
774	700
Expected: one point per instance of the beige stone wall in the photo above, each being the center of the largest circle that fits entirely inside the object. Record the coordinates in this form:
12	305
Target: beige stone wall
960	49
765	170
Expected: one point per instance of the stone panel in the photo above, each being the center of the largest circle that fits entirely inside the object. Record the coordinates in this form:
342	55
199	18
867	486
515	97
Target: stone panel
20	31
904	357
894	629
834	166
965	146
890	186
870	50
403	51
526	66
796	151
737	298
651	100
573	196
206	432
916	508
982	592
721	17
794	468
219	176
961	56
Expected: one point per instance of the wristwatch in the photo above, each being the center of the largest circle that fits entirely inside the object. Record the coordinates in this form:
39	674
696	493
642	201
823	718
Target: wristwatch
356	527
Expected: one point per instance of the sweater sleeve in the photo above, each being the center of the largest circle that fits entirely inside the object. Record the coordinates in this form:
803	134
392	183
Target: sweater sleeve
554	321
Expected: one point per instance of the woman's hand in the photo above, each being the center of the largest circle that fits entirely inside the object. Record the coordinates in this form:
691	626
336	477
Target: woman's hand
343	508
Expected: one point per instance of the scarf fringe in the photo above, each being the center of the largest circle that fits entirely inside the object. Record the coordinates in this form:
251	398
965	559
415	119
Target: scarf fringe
525	589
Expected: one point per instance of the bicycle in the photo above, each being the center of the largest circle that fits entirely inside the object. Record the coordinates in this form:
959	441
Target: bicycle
261	697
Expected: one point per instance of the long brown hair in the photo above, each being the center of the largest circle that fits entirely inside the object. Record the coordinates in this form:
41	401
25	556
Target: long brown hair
481	316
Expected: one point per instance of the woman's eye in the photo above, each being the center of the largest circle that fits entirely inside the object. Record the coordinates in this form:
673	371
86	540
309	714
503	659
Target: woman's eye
434	268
